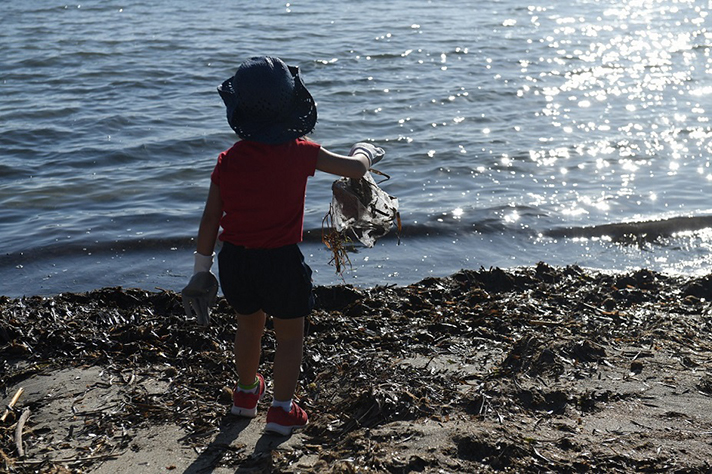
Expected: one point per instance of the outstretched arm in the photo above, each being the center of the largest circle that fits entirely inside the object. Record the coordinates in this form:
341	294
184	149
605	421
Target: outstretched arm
341	165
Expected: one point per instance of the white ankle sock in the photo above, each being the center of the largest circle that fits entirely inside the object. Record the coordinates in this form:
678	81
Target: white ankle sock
286	406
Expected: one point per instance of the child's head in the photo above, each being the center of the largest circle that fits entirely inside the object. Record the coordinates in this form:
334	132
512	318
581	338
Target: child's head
267	101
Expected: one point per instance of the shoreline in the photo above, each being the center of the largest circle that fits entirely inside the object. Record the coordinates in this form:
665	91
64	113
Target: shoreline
551	368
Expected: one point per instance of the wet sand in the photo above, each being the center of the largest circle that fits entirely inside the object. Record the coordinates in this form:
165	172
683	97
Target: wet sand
536	369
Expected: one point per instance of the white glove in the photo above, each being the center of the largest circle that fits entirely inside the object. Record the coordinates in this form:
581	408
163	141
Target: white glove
202	290
373	153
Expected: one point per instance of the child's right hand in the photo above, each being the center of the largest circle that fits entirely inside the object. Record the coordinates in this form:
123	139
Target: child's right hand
373	153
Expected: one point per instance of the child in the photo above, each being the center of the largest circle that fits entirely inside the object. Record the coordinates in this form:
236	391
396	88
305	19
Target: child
257	195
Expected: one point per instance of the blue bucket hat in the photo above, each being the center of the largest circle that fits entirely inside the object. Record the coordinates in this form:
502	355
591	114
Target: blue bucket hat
267	101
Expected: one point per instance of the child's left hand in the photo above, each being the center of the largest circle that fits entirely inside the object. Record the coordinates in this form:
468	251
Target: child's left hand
200	293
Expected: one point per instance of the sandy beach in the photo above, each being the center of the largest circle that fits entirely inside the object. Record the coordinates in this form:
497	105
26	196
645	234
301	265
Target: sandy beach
540	369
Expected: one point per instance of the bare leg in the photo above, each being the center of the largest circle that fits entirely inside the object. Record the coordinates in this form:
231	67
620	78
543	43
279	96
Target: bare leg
248	345
288	357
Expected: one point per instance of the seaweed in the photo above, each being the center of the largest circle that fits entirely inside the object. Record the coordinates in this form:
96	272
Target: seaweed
534	368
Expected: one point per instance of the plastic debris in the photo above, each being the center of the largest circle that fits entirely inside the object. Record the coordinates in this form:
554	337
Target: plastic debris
359	209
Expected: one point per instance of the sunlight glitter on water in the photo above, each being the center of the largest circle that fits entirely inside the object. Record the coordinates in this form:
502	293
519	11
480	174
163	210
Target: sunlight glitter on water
500	121
626	67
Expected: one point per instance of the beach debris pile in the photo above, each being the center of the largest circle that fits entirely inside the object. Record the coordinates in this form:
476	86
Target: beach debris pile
539	368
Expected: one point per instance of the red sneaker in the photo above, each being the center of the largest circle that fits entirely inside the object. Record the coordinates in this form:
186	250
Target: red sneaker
244	403
283	423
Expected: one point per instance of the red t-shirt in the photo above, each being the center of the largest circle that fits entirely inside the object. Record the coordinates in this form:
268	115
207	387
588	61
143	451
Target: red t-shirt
263	188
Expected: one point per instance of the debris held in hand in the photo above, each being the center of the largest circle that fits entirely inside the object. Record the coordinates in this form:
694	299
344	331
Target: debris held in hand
359	209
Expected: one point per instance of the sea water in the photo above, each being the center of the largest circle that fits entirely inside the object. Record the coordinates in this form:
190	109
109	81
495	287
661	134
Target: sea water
511	130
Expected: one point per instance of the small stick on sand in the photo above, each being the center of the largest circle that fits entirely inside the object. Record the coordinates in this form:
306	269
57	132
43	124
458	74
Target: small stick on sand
14	400
78	460
18	432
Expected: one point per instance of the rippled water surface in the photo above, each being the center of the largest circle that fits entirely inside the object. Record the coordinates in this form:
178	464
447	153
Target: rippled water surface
515	132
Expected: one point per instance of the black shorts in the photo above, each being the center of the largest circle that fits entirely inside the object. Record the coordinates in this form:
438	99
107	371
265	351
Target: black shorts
277	281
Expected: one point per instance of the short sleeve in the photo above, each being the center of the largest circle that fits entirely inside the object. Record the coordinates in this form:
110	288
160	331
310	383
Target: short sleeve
309	152
215	175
